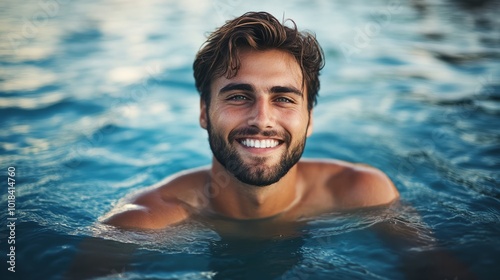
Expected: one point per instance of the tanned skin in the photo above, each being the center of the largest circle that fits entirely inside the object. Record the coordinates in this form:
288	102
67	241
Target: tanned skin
266	94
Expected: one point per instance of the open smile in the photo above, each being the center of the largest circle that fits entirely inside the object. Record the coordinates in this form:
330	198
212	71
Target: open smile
259	143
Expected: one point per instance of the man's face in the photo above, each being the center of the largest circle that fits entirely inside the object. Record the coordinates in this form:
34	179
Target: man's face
258	120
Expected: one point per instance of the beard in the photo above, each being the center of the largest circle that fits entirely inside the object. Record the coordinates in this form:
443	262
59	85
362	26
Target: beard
256	173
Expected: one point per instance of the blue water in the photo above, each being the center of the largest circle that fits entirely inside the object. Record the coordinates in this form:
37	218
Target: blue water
97	100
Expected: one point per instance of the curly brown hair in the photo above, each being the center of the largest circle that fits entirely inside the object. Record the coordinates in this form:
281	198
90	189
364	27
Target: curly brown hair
218	56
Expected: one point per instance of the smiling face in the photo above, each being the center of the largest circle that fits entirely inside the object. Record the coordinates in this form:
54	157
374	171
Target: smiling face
258	121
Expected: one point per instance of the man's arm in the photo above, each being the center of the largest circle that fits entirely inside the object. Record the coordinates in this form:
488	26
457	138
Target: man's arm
97	257
360	186
421	255
166	203
148	210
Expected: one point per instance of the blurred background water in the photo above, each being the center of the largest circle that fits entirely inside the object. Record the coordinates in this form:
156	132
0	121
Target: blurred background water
97	99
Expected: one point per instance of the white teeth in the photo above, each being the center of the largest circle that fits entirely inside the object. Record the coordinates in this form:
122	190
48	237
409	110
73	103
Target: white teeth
252	143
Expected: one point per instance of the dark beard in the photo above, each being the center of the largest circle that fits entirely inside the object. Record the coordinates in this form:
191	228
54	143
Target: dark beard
253	174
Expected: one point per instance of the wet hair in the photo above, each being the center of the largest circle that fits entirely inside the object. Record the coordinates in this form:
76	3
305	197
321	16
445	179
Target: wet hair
218	56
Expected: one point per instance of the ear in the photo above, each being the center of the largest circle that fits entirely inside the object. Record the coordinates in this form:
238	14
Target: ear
203	114
310	125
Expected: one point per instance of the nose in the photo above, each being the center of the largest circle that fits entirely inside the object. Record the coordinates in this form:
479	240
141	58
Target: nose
261	115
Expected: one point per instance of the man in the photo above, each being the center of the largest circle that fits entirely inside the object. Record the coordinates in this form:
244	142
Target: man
258	82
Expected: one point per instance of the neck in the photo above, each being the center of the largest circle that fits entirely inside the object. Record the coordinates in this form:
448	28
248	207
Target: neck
231	198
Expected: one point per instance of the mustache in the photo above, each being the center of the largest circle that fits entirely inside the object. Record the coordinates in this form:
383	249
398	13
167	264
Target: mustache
254	131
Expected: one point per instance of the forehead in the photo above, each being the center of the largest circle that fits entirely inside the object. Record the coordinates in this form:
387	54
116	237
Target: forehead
265	68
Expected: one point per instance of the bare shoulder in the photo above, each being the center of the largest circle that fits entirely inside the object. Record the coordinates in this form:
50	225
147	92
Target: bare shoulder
352	185
168	202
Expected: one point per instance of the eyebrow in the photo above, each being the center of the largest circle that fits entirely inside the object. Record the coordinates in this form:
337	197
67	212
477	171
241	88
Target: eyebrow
287	89
234	86
249	87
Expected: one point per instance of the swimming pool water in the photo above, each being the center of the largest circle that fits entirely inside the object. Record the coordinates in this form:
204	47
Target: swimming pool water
97	100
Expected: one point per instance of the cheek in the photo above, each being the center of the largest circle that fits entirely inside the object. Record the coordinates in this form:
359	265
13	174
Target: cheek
295	122
222	119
